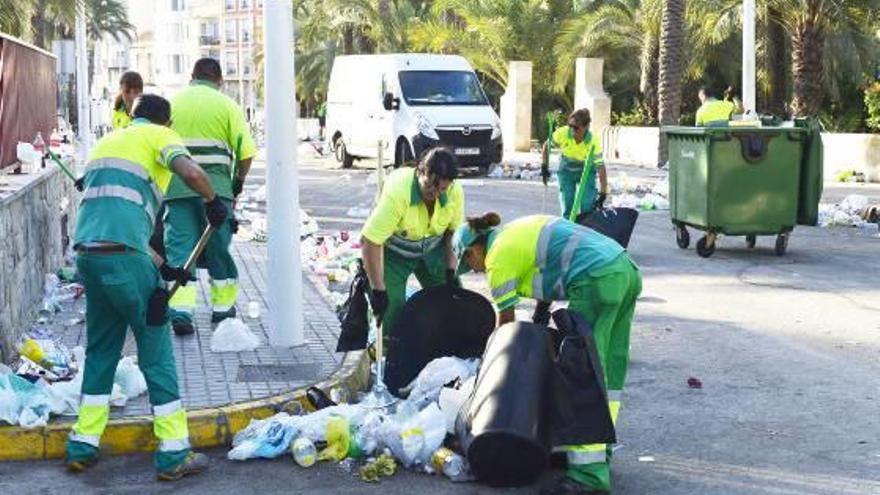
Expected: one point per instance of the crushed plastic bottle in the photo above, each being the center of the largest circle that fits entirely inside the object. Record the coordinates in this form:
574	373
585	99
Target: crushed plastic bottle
304	452
448	462
254	310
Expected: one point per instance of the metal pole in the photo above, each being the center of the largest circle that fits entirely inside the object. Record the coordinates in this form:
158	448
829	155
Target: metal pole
748	56
380	170
285	272
82	88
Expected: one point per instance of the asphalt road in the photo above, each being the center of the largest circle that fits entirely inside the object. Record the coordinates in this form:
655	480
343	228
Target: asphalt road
786	348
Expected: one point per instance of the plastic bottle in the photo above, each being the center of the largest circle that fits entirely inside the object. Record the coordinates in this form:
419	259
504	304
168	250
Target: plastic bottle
318	399
40	146
449	463
304	452
254	310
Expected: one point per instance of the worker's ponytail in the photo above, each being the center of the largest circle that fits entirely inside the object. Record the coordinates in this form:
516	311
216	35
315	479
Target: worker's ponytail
484	222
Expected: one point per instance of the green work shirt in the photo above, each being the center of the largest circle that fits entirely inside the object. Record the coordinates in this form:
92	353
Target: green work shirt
714	112
127	173
322	110
401	221
539	256
212	125
120	118
575	154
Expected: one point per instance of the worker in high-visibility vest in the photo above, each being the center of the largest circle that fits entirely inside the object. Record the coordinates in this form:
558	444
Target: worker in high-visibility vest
131	85
551	259
409	231
713	112
127	173
215	131
580	149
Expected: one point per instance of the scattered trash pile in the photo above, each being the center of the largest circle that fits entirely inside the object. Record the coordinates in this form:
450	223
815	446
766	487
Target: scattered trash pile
333	259
373	441
519	172
249	211
47	378
854	211
627	193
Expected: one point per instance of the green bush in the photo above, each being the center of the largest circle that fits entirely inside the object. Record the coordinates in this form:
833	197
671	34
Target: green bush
635	117
872	105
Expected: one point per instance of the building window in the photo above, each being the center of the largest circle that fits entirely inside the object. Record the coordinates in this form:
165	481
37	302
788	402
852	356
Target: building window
245	4
176	32
248	68
230	30
230	4
230	64
245	32
209	33
178	5
177	64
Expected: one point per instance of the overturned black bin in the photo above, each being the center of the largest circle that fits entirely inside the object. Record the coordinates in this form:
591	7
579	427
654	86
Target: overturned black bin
616	223
504	425
436	322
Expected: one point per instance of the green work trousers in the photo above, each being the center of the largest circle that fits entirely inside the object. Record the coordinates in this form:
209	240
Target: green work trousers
118	290
429	270
184	223
568	184
607	299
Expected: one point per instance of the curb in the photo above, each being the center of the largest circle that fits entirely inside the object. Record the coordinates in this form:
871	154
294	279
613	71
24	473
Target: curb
208	427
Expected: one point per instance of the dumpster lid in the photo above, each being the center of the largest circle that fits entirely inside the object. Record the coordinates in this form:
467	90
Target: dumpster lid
718	131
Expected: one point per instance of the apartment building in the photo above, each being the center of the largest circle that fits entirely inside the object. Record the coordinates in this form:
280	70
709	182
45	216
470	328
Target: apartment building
240	23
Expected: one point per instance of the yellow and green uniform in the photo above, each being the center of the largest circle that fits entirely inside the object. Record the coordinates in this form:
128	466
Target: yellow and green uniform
214	130
119	118
576	156
413	240
714	112
127	173
551	259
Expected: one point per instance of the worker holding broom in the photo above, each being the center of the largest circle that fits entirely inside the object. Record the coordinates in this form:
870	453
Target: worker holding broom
551	259
580	164
127	174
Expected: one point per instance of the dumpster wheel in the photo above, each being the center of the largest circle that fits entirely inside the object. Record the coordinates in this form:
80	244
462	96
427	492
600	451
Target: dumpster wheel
751	240
706	245
781	244
682	237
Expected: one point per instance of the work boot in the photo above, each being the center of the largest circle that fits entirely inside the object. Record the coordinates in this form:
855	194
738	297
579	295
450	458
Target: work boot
194	463
218	316
182	327
80	465
80	456
568	486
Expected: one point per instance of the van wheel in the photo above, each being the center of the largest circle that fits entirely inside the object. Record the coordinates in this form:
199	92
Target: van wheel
484	168
342	155
402	153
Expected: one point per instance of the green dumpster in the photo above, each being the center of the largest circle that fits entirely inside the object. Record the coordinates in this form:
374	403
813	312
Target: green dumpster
740	181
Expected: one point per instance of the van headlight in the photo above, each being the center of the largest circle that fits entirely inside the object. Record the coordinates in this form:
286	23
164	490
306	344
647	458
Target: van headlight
426	128
496	131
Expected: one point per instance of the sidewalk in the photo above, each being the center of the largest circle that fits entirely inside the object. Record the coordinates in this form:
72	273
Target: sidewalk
247	384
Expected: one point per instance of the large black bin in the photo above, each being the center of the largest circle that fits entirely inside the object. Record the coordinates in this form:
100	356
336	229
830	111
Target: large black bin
616	223
436	322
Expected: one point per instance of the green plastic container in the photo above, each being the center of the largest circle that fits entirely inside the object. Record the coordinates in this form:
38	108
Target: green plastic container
736	181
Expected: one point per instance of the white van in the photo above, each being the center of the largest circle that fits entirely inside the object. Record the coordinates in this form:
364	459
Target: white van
411	103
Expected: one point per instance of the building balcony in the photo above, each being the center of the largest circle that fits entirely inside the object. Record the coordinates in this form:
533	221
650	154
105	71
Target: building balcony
209	40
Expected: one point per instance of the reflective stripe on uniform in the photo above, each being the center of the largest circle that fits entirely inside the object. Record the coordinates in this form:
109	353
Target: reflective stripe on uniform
95	400
170	151
204	143
212	159
614	399
504	289
184	300
541	258
615	395
168	408
120	192
174	445
92	417
223	294
587	454
93	440
128	166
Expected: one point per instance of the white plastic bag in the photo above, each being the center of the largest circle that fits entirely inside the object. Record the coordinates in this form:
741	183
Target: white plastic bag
232	335
439	372
266	438
129	377
414	440
452	399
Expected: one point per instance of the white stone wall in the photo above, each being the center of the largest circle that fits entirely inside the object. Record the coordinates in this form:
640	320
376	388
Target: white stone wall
30	245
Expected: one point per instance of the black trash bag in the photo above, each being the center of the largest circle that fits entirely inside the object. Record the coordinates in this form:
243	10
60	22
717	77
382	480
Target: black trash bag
580	412
436	322
616	223
503	426
353	314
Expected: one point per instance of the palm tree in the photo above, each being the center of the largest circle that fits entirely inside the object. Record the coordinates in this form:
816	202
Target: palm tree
15	16
672	64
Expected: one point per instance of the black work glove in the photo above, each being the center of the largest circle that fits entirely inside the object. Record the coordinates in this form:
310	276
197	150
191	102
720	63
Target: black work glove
157	307
600	201
79	184
237	186
216	212
451	280
545	174
541	316
174	274
379	303
234	226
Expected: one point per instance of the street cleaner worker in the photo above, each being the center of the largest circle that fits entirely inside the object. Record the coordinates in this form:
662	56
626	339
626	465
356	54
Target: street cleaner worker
581	157
127	173
552	259
131	85
410	231
215	132
713	112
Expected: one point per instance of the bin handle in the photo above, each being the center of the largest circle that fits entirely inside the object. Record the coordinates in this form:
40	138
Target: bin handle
754	146
721	137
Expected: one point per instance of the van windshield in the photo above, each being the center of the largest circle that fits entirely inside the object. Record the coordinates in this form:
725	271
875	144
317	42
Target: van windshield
431	87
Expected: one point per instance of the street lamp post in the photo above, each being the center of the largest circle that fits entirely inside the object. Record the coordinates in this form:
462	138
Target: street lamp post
748	57
83	112
285	271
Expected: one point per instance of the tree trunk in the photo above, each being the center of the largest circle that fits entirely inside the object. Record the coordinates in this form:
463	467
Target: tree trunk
671	67
384	9
348	39
650	70
776	64
807	71
39	24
